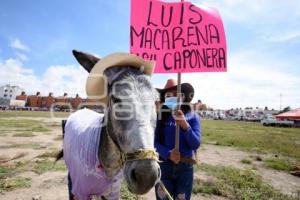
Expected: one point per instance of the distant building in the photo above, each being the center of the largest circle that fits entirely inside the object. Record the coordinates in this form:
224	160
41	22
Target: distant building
48	101
62	99
292	115
9	91
75	102
22	96
34	101
4	102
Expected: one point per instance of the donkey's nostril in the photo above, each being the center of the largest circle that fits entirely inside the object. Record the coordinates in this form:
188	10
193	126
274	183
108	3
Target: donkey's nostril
158	172
133	176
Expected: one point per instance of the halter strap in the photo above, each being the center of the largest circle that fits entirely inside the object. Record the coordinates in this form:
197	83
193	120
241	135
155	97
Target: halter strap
142	154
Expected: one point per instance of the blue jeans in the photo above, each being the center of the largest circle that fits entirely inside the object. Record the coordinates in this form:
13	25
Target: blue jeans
178	180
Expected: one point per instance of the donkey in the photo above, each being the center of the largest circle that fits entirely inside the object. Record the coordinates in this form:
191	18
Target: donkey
100	149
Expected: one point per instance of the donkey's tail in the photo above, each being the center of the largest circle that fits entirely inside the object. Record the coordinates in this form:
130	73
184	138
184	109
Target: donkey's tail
59	155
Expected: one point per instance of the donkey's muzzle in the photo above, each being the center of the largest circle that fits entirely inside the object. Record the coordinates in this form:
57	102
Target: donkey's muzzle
143	176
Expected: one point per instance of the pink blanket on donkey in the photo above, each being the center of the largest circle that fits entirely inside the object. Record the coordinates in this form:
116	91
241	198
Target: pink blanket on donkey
81	144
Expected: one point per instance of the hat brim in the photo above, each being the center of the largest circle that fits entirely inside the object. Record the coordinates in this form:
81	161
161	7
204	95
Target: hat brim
186	88
96	85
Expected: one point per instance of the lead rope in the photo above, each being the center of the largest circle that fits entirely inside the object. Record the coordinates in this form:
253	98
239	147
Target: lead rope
164	189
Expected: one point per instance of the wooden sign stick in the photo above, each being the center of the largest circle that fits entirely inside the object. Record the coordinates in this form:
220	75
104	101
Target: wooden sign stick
178	107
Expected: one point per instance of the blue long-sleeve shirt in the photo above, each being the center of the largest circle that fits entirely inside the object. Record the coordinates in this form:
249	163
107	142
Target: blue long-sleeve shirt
189	140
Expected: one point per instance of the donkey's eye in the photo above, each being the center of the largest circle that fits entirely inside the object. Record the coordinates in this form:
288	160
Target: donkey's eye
115	99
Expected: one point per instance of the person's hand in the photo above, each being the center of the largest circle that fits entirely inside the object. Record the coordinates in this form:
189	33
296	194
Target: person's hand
180	119
175	156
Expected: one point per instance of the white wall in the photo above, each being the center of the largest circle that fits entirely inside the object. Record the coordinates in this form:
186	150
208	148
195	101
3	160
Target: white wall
9	91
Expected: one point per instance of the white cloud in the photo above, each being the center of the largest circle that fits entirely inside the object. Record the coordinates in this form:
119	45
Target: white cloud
56	79
255	11
256	75
17	44
266	18
13	72
22	56
286	37
65	78
253	79
250	81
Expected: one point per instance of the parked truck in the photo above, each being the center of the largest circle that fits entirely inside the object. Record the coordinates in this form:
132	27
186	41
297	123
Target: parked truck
270	120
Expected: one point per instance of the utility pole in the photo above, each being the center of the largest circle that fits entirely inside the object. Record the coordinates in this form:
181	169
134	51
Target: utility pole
280	100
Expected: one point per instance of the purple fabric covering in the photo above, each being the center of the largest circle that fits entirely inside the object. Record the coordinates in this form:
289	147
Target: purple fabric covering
81	143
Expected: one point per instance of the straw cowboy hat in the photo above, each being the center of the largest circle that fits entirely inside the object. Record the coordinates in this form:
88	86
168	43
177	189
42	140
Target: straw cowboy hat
96	85
171	85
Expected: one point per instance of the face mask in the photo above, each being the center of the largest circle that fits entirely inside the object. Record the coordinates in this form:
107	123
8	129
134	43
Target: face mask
171	102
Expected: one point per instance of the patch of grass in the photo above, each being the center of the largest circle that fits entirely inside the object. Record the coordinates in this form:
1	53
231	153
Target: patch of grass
58	138
278	164
240	184
3	133
22	126
9	179
45	114
23	146
17	123
125	194
200	186
38	166
246	161
40	128
24	134
4	171
54	124
49	154
253	137
4	159
9	184
42	166
15	168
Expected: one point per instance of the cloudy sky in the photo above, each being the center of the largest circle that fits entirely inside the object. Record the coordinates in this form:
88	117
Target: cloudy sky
263	38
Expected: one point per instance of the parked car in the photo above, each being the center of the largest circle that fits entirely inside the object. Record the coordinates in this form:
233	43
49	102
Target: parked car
270	120
219	115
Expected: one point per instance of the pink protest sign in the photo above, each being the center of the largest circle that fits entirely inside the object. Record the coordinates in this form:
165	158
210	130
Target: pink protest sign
180	36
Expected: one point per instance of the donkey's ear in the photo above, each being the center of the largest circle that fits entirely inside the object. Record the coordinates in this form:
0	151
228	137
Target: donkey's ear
86	60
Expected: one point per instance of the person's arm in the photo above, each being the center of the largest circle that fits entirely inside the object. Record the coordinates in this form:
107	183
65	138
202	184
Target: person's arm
163	151
192	131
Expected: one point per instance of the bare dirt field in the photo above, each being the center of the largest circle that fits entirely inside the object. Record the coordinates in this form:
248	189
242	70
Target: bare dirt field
27	171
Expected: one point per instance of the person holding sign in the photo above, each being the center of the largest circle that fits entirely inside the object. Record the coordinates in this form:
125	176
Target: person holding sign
177	164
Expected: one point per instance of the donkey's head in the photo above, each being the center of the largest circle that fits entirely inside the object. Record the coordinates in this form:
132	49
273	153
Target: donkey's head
131	120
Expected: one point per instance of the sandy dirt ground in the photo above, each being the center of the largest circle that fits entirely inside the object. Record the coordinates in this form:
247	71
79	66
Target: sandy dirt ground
219	155
53	185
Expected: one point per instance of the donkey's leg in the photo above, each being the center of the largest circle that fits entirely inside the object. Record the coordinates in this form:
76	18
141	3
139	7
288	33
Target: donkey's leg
71	196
